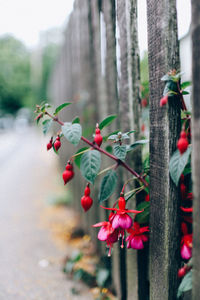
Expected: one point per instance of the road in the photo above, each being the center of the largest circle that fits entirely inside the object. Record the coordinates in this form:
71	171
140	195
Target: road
27	177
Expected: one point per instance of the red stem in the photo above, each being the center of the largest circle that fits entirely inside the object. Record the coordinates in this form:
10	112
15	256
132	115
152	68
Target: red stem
96	147
181	96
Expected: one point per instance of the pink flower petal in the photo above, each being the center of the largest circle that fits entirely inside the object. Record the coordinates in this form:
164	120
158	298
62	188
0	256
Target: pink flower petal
115	222
136	243
186	252
100	224
128	244
103	233
125	221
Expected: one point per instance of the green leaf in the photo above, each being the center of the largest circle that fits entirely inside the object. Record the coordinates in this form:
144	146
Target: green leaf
143	217
107	121
90	165
60	107
107	186
113	137
54	149
105	138
135	144
186	284
170	86
185	93
119	151
166	77
72	132
185	84
129	132
77	158
177	164
46	125
76	120
125	136
109	149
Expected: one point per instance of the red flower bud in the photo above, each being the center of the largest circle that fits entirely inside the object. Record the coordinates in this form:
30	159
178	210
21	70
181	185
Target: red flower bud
147	199
121	203
86	202
49	145
98	138
182	144
163	100
87	190
57	143
182	272
144	102
68	174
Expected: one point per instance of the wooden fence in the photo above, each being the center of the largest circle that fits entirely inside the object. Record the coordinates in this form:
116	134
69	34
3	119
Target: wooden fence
99	71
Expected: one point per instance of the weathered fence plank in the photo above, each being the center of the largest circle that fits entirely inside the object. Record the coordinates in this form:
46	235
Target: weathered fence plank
164	129
196	146
137	279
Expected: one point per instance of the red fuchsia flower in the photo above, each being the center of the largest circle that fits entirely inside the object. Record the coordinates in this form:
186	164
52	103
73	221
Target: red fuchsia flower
182	271
121	220
137	236
107	232
186	243
147	198
163	100
182	143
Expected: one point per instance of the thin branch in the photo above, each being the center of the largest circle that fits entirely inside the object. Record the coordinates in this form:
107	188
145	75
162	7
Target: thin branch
96	147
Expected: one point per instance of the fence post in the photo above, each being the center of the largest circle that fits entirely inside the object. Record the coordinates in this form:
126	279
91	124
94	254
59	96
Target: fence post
137	281
196	146
164	131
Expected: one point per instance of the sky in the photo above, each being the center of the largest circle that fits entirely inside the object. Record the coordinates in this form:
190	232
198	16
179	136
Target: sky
26	18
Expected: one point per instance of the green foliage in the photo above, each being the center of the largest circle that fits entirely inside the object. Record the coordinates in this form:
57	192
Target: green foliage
143	217
60	107
77	158
47	125
119	151
185	84
15	87
186	284
72	132
108	185
76	120
107	121
177	164
90	165
135	144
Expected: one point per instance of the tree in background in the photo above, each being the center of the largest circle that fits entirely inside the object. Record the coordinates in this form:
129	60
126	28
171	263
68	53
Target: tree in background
15	89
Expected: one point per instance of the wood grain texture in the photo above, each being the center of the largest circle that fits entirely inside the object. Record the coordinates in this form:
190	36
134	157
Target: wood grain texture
196	146
164	130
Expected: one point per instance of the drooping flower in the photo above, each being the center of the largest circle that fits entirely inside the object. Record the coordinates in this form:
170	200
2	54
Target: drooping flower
107	232
186	246
186	242
163	100
137	236
121	220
